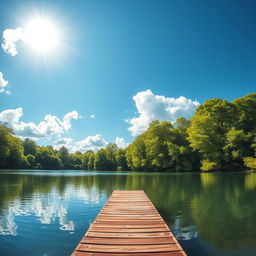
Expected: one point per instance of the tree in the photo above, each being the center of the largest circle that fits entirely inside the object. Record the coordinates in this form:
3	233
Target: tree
136	154
110	150
85	159
31	160
209	128
220	136
121	160
100	160
5	133
76	160
247	112
238	146
156	138
29	147
15	156
47	160
250	162
163	146
64	157
91	161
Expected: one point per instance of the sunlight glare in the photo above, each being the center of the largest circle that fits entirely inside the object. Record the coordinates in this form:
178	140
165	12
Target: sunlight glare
41	35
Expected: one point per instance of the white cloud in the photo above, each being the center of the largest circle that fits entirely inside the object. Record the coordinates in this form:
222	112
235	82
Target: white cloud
63	141
120	142
154	107
67	119
3	84
90	143
92	116
93	143
10	38
51	125
66	142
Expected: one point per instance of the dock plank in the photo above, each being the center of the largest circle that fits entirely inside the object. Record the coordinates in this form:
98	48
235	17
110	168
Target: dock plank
129	224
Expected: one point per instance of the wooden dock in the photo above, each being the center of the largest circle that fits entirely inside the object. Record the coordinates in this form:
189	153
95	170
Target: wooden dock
128	224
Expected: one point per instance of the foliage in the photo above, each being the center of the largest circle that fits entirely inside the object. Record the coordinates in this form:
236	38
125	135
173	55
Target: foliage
250	162
208	166
163	147
247	111
29	147
5	134
31	160
220	136
121	161
222	133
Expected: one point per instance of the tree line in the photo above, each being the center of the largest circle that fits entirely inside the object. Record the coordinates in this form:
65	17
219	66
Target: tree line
220	136
26	154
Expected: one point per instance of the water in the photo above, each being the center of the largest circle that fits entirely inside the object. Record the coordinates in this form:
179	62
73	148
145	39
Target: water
45	213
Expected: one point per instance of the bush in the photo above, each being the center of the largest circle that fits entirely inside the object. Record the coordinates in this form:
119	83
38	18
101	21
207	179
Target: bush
208	166
250	162
31	160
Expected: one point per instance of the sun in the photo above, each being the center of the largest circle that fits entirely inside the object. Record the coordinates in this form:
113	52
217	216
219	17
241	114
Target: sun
42	35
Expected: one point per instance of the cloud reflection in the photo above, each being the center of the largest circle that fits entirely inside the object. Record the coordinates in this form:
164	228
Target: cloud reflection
183	233
49	208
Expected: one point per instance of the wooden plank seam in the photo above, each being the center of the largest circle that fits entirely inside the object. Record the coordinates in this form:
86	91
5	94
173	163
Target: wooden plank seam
128	224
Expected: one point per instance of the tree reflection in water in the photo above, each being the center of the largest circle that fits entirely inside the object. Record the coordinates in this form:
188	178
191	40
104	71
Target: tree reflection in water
217	208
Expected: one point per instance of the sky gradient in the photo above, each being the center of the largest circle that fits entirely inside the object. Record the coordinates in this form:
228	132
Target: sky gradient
120	64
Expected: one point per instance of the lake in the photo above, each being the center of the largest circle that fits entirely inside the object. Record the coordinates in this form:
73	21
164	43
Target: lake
46	213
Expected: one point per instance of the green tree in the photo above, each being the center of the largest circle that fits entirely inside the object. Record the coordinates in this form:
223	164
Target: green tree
136	154
47	160
250	162
110	151
76	160
24	163
208	131
91	161
29	147
247	112
85	159
156	138
163	146
238	146
121	160
5	134
100	160
31	160
63	154
15	156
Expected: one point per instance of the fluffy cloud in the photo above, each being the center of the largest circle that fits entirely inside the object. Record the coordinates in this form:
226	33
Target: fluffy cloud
89	143
120	142
3	84
63	142
93	143
92	116
51	125
154	107
10	38
66	142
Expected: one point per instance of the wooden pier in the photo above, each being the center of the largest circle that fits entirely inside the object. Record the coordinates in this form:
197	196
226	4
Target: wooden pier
128	224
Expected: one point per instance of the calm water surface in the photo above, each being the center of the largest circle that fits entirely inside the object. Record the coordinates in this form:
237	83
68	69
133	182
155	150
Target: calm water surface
45	213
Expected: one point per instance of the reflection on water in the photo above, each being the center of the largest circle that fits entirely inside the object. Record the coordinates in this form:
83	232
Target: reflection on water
210	213
183	233
208	179
47	208
250	181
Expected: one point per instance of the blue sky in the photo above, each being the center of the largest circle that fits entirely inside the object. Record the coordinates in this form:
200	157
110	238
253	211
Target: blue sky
110	51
